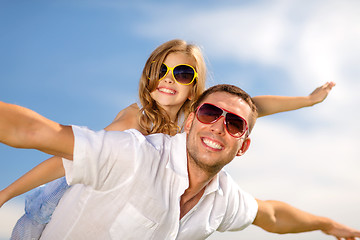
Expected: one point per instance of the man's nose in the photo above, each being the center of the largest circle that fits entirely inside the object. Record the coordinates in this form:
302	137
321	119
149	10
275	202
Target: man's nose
218	127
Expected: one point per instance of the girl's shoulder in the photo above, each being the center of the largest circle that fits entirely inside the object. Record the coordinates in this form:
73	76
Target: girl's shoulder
129	111
126	119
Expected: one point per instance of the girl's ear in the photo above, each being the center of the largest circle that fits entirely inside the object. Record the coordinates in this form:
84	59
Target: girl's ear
245	146
189	122
192	93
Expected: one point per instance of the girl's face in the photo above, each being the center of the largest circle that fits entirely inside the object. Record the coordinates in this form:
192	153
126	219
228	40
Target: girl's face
170	94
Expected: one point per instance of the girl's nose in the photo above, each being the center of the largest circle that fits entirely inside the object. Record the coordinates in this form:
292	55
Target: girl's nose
169	77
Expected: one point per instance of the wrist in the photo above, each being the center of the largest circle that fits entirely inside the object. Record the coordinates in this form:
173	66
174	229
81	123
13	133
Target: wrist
4	197
325	224
309	101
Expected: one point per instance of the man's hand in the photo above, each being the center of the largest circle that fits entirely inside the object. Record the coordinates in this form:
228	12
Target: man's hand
342	232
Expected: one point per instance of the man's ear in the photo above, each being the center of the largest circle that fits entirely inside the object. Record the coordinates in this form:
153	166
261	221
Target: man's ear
189	122
245	146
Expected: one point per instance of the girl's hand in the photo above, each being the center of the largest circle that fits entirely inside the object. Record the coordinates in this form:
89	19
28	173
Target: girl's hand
320	93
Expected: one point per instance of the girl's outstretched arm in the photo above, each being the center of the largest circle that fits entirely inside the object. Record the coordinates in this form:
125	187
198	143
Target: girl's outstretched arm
268	105
45	172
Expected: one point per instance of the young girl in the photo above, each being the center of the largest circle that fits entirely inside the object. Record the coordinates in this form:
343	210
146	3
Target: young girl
173	77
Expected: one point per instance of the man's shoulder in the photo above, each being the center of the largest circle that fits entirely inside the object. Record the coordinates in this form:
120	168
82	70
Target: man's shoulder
160	138
157	140
130	139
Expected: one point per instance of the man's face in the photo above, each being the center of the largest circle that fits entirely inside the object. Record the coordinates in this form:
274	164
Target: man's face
210	146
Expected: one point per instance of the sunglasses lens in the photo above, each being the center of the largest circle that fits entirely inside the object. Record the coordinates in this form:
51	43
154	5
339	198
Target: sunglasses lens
163	71
235	125
184	74
208	113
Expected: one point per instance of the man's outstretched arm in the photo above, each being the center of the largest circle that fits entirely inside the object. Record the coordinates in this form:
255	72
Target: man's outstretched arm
279	217
23	128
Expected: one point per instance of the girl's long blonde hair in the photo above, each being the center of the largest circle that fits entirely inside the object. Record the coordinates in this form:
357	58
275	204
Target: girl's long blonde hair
154	118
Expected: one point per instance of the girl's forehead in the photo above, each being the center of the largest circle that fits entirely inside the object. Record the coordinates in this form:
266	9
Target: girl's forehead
175	58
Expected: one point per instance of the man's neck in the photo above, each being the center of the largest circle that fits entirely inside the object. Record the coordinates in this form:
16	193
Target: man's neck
198	180
188	200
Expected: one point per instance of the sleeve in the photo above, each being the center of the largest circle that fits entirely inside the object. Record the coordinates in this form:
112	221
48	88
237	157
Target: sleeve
102	160
241	208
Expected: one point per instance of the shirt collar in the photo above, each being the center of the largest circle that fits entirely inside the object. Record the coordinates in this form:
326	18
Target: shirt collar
214	186
178	156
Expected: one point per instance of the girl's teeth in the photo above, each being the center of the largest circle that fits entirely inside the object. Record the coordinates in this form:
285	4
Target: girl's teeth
165	90
212	144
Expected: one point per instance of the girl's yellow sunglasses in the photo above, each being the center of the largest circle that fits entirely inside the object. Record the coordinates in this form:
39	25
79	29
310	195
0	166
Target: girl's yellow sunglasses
183	73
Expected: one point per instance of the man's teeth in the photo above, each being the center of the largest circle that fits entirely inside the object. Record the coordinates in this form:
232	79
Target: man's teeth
212	144
165	90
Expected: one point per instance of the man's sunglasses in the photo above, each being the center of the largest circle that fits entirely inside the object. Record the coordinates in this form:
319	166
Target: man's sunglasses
183	73
208	113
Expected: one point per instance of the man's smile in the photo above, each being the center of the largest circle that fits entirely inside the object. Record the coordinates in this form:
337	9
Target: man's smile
212	144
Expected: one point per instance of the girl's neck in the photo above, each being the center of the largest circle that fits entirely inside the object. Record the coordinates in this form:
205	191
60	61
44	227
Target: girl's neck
172	112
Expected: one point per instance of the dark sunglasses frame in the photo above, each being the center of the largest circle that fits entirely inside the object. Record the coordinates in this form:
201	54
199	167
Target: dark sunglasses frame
224	114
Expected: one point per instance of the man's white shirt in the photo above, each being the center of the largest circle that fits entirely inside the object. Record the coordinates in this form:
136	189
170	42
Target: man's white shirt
128	186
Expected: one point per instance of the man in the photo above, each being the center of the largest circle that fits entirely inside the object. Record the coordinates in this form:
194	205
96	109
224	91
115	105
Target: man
158	187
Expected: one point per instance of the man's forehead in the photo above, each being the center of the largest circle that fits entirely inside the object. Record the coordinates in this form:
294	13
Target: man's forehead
229	102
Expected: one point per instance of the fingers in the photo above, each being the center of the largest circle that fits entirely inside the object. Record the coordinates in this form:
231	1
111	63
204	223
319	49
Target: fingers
332	84
328	85
320	93
348	238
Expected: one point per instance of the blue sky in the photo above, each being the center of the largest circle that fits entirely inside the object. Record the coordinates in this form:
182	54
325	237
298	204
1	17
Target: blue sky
79	62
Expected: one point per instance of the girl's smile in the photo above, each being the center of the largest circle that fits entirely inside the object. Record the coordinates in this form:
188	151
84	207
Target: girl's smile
166	90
